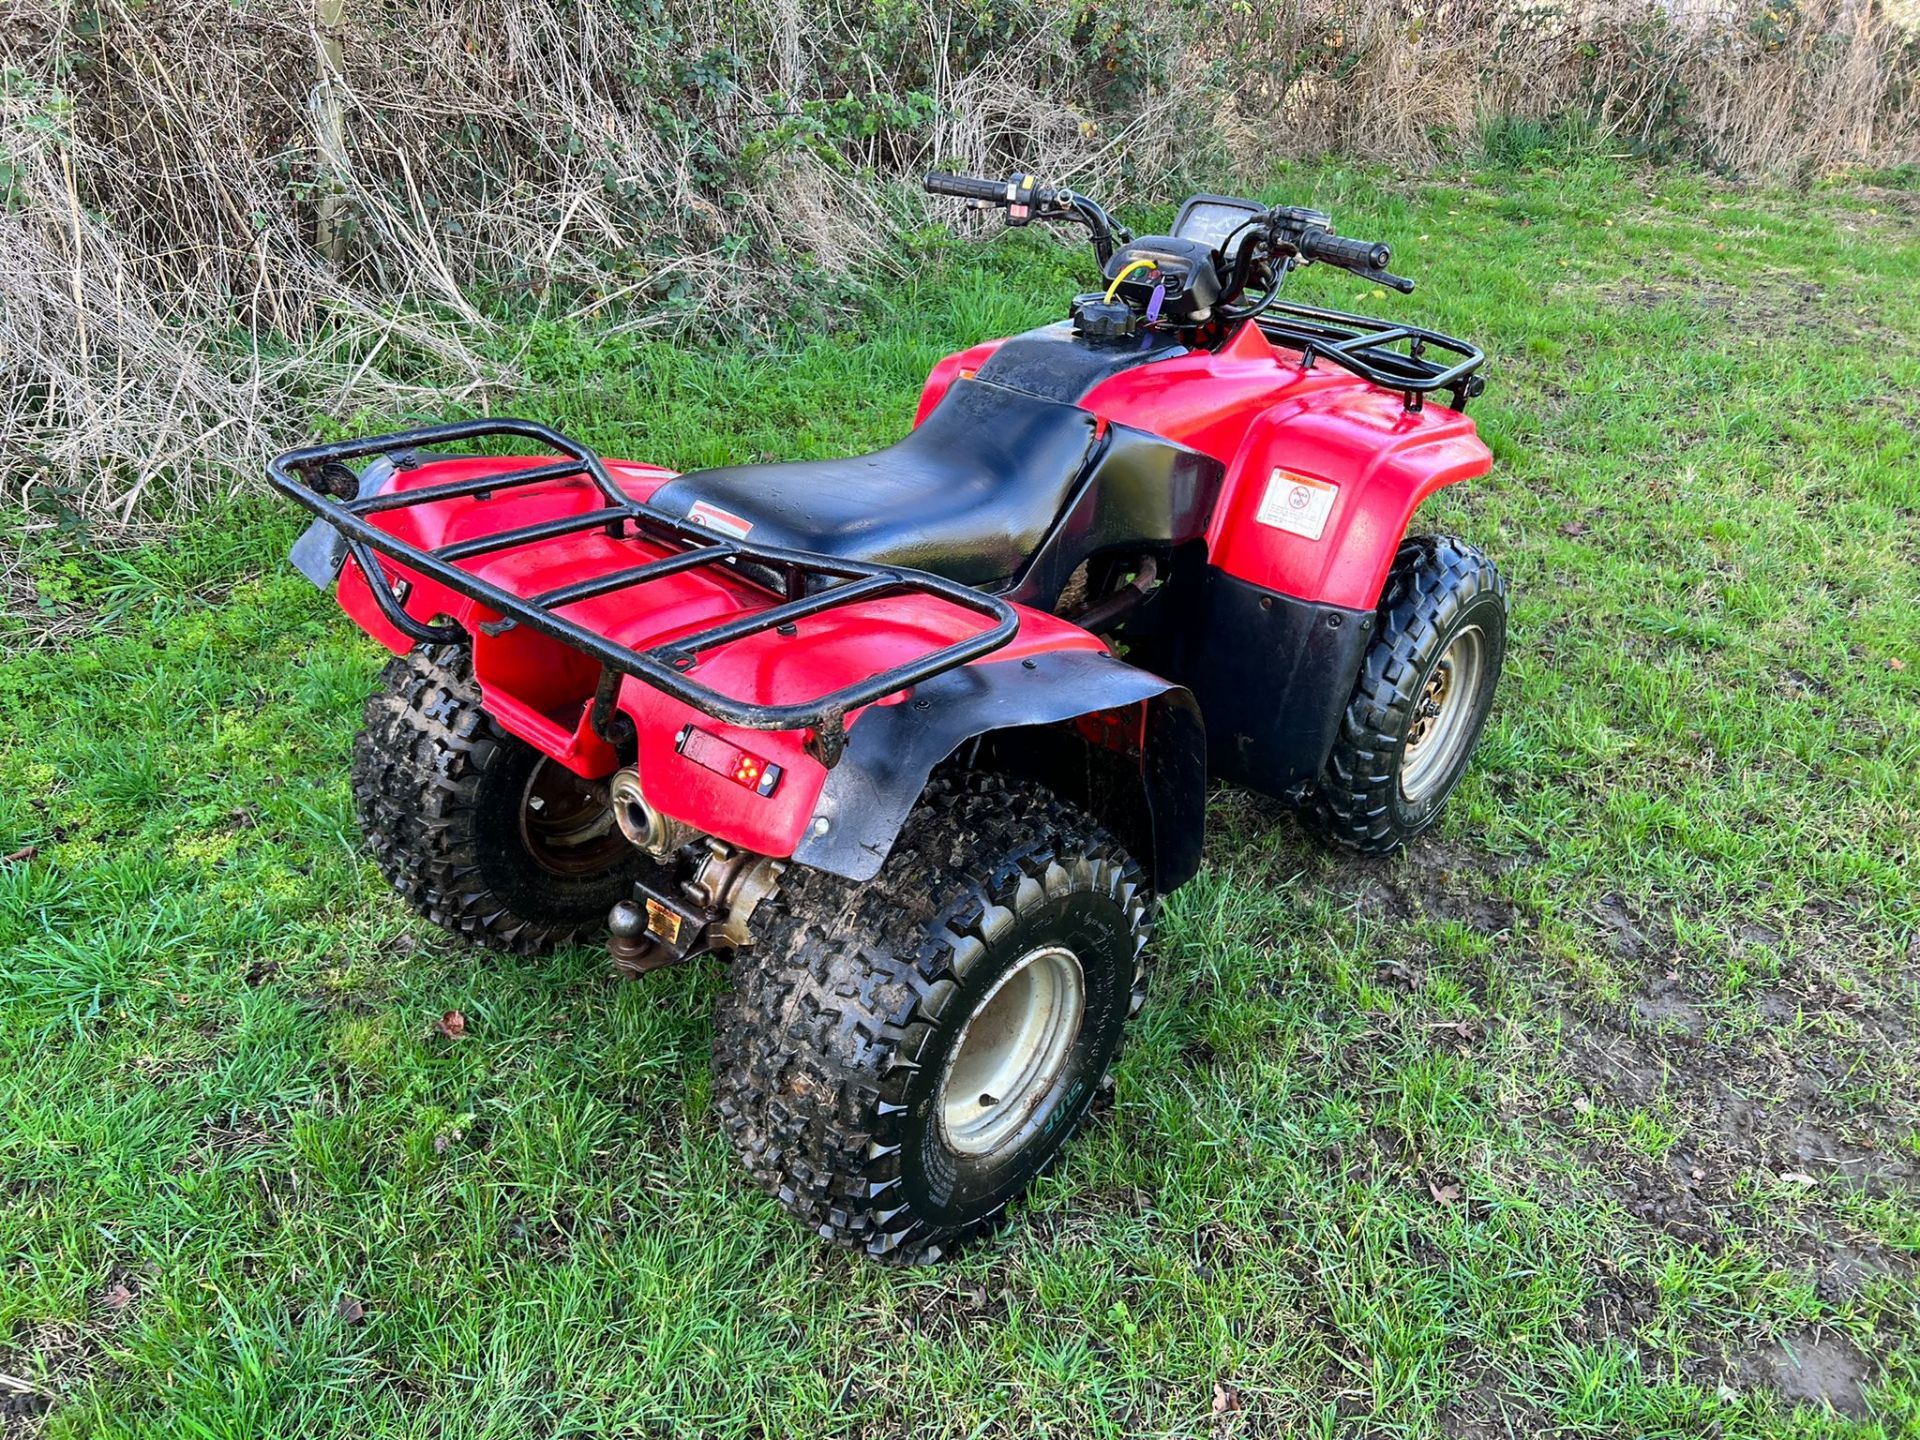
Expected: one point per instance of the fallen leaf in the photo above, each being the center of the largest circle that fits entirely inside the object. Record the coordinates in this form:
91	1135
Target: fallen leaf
25	852
1894	662
1798	1177
1582	1105
1574	529
1443	1194
1225	1398
452	1024
1697	1173
350	1310
116	1297
1408	975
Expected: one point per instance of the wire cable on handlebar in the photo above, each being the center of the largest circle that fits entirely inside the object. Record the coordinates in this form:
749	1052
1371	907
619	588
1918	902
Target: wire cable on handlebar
1264	303
1126	270
1241	228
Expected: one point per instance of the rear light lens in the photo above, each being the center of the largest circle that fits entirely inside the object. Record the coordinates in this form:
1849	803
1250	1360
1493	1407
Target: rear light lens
723	757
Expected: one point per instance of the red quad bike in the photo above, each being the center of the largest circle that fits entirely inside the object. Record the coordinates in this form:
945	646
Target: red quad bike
864	724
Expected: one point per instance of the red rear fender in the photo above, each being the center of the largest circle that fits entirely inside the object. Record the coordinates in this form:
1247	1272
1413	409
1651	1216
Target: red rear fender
542	690
825	652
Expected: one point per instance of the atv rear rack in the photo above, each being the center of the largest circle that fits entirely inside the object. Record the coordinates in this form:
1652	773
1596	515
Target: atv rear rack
1364	345
299	474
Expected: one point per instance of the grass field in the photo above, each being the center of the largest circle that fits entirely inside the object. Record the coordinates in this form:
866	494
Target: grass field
1596	1114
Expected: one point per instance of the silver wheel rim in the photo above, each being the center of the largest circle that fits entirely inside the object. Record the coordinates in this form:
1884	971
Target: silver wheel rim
1443	716
1012	1050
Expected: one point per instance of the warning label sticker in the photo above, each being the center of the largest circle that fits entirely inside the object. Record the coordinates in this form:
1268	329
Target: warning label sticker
1298	504
714	518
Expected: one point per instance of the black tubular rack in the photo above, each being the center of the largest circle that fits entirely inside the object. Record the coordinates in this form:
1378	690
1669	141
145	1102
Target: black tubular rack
1366	347
813	583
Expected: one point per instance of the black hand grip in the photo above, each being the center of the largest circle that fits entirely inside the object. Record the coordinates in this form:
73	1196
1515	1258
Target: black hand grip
1347	254
1392	282
993	192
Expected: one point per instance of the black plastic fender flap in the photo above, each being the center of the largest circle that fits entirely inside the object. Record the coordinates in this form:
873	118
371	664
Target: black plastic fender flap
1115	739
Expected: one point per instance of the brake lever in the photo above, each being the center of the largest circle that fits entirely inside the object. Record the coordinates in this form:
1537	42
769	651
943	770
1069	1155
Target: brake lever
1388	279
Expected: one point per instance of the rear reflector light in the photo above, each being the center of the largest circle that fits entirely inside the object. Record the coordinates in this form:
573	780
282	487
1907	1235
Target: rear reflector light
723	757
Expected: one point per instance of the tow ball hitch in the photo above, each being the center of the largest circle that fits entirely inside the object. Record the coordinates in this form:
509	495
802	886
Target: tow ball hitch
656	929
646	933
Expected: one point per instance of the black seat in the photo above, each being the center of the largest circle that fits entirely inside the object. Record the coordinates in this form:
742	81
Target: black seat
970	494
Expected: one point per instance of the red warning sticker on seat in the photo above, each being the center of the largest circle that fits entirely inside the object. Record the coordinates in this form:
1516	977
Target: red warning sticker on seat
714	518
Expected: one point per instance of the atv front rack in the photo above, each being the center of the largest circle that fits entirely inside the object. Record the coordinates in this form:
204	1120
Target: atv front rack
812	583
1365	346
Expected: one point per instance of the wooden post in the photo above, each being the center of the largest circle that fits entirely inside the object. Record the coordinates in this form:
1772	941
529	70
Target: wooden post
330	126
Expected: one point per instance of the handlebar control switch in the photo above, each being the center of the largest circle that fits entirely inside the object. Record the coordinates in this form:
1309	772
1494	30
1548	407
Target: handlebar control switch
1020	198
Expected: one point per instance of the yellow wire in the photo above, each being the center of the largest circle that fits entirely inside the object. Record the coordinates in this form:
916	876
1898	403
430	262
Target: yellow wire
1128	270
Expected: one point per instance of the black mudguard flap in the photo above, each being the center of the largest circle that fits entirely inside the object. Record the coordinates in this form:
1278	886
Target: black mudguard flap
892	749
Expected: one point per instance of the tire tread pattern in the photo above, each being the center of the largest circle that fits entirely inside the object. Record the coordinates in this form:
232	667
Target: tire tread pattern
1434	578
419	761
831	1011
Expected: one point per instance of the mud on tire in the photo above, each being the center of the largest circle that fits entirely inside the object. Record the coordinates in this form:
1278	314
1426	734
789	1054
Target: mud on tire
1441	594
476	829
832	1046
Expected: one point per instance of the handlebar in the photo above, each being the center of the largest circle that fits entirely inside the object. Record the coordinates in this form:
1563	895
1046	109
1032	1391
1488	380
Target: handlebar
1025	200
967	187
1291	231
1348	254
1366	258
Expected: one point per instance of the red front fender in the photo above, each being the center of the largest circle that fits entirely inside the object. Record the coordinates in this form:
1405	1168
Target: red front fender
1322	491
1364	460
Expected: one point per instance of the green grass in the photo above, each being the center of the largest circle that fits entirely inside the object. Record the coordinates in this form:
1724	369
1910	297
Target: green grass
1585	1118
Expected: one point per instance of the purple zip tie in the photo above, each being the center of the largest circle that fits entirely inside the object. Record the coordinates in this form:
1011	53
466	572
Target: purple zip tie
1153	303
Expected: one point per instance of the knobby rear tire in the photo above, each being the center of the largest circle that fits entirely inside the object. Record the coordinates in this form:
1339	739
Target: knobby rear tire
832	1045
439	789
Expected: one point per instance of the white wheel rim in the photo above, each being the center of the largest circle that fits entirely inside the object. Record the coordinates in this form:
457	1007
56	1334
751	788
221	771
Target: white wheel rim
1443	716
1011	1051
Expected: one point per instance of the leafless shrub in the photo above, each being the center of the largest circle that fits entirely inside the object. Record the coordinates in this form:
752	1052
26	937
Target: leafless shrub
1752	87
162	312
166	319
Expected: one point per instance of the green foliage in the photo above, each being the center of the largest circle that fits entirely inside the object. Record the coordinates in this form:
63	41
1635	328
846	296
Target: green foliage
1896	177
822	128
1121	61
1512	143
